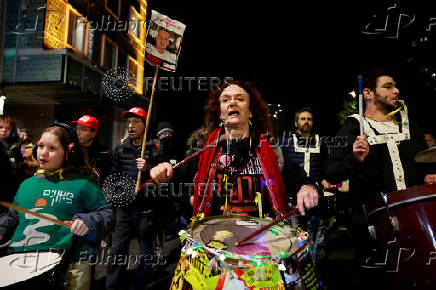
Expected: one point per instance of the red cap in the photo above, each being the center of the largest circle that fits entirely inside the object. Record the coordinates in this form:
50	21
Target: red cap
88	121
137	111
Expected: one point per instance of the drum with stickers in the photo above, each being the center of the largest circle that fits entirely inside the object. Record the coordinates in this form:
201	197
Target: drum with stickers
32	270
211	260
403	223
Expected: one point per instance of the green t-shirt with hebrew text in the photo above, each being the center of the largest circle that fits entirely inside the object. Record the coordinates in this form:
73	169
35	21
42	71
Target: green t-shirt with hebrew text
55	198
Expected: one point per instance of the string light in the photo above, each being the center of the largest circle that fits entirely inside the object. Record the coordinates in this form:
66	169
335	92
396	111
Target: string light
118	84
119	189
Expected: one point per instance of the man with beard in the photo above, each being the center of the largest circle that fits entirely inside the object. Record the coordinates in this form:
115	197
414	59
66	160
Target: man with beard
306	150
139	218
381	160
368	160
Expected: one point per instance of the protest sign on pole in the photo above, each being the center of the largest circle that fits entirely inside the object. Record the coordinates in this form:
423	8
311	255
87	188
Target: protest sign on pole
164	40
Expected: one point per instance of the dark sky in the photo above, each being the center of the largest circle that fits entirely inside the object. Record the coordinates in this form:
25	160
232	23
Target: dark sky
300	54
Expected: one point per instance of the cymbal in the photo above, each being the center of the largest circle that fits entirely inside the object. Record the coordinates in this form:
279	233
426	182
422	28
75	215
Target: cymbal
426	156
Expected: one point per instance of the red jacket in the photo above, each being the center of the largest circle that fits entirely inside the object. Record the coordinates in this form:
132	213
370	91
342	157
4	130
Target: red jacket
268	161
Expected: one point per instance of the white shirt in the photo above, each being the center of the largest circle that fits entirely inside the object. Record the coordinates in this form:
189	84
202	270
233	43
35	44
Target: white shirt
166	56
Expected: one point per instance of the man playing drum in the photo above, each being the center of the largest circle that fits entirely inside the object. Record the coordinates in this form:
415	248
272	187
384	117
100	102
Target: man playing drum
382	160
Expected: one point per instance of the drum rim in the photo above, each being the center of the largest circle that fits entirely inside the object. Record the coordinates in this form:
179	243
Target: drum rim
404	202
55	263
400	196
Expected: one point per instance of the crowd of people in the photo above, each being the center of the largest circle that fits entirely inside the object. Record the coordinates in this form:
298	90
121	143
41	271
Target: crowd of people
62	173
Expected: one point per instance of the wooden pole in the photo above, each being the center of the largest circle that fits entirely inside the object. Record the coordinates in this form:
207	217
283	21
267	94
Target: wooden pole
147	123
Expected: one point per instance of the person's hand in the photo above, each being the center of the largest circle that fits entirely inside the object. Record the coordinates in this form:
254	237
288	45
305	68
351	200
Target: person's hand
307	198
326	184
141	164
191	200
162	172
78	227
430	178
360	148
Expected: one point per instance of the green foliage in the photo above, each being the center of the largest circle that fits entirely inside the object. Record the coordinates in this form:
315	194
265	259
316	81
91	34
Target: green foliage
350	107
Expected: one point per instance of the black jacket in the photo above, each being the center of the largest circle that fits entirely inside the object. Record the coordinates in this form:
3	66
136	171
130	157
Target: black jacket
124	162
375	174
8	188
15	176
316	159
124	159
99	158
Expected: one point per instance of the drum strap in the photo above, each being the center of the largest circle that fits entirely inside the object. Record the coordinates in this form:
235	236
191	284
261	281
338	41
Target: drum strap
392	142
307	150
207	194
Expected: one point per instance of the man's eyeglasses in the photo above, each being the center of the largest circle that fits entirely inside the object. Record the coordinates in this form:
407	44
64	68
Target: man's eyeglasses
83	128
134	122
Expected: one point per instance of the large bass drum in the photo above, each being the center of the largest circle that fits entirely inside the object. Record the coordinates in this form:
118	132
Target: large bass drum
404	225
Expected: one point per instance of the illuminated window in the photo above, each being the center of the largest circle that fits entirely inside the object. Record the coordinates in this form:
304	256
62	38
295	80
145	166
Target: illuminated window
77	30
133	69
110	53
134	22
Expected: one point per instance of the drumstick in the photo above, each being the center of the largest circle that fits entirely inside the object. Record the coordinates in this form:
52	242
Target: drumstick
360	82
178	164
255	233
42	216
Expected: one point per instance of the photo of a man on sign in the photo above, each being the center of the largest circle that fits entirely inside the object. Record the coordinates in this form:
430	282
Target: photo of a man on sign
164	40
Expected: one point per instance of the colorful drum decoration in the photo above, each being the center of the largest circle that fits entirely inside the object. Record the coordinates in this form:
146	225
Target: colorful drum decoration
211	260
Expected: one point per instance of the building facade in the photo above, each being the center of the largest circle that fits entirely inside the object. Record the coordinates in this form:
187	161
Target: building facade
61	59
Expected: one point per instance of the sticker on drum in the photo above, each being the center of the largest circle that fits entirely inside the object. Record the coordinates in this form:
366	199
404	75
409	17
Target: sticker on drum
24	266
231	229
214	244
247	223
